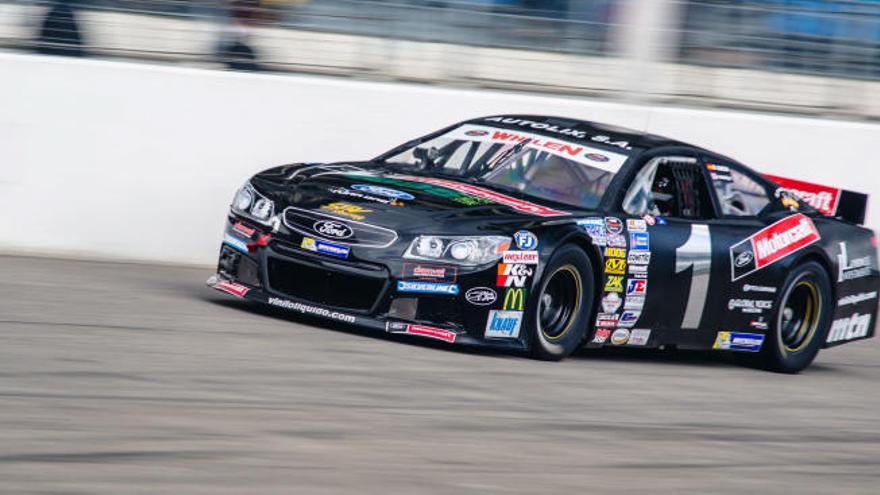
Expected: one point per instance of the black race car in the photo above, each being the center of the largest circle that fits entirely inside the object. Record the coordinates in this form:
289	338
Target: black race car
547	234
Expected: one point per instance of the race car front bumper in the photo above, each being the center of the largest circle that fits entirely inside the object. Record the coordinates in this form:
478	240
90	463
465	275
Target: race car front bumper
446	333
355	291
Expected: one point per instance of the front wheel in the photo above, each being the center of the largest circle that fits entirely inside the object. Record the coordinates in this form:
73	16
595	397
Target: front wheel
560	312
801	319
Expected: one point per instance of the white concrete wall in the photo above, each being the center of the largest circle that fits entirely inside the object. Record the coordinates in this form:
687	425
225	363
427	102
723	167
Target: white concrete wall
119	160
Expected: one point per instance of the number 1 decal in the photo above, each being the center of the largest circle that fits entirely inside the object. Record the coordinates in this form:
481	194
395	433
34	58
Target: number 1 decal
695	253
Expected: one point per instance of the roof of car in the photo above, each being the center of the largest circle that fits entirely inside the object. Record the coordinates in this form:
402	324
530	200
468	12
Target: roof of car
581	130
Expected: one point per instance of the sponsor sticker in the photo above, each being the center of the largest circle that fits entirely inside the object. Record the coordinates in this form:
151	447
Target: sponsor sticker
503	324
427	287
714	167
607	320
382	191
639	241
520	257
639	258
525	240
636	287
615	266
613	252
514	299
601	335
771	244
487	194
341	191
639	336
620	336
420	271
823	198
233	288
634	302
734	341
849	269
431	332
759	324
347	210
433	190
244	229
759	288
614	283
856	298
613	225
749	305
481	296
615	240
595	228
576	152
721	177
596	157
628	319
611	302
636	225
638	271
849	328
396	327
235	242
565	131
319	246
311	310
513	275
591	221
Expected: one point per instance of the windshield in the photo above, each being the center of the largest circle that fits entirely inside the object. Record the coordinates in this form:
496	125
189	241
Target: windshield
549	168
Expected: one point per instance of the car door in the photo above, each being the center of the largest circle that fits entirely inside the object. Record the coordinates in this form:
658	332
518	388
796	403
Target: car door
745	206
677	263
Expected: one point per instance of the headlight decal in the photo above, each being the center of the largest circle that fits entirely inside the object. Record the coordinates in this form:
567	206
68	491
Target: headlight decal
250	203
460	250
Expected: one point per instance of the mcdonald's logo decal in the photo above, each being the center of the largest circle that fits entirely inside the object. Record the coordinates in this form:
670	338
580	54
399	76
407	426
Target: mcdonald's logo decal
514	299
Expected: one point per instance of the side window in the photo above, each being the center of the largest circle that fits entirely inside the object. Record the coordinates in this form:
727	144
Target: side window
738	194
670	187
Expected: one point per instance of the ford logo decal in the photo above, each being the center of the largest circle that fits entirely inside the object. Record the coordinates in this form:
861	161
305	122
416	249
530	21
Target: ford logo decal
333	230
743	259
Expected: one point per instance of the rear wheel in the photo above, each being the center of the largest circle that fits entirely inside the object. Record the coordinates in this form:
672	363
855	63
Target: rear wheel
801	320
560	312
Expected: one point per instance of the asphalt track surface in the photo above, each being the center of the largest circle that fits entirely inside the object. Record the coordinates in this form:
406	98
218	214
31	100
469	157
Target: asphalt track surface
125	378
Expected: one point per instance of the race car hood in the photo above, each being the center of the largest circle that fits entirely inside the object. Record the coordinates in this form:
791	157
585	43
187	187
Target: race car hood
401	201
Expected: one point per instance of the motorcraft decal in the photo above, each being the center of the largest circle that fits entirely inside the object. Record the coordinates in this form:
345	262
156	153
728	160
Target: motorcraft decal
771	244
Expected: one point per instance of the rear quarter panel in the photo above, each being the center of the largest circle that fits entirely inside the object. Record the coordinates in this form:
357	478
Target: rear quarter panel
852	255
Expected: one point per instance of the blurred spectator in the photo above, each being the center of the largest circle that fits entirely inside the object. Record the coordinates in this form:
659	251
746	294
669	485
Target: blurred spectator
235	48
59	31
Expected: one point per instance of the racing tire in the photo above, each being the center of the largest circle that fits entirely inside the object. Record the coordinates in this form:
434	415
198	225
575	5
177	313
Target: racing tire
561	311
800	321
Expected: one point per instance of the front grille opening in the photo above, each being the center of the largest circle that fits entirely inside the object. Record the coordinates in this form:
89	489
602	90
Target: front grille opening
440	310
325	286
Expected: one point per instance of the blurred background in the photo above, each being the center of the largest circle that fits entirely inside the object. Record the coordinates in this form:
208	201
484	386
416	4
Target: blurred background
127	126
795	56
